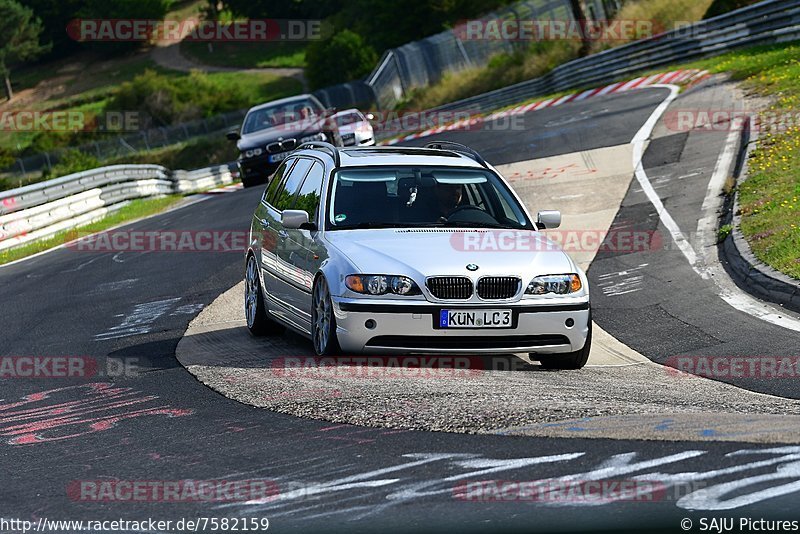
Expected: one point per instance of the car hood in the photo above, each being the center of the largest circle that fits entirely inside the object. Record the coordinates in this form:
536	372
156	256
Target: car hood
430	252
284	131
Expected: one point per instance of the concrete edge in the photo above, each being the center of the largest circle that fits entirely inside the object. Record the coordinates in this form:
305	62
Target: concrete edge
748	272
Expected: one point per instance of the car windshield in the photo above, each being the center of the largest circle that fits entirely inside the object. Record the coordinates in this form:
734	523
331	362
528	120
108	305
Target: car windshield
423	196
272	116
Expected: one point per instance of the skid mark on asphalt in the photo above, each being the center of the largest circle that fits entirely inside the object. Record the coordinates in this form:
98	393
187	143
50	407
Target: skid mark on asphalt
75	411
113	286
187	309
140	321
622	282
750	476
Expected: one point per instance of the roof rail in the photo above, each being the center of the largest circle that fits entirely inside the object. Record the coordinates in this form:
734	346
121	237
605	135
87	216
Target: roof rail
322	145
457	147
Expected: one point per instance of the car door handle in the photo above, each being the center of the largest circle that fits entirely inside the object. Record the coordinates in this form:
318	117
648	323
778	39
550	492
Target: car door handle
283	234
264	223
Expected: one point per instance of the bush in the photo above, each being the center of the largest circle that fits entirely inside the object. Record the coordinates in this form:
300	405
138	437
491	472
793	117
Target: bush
342	58
203	152
165	100
664	14
56	14
71	162
719	7
501	70
6	158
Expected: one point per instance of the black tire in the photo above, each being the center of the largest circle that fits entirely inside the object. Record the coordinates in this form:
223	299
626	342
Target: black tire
570	360
323	320
255	312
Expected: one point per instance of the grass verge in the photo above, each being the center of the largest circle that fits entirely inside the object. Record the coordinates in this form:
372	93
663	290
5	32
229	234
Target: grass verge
501	71
278	54
769	198
136	209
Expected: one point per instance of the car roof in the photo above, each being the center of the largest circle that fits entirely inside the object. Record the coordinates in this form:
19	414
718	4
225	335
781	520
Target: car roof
286	100
393	156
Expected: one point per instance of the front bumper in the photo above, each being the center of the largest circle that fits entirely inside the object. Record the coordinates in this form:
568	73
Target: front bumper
257	168
401	327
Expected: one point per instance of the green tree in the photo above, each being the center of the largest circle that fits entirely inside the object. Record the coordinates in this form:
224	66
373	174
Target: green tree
342	58
19	39
55	15
122	9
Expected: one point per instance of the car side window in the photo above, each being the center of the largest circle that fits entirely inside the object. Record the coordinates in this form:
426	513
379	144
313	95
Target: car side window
310	192
269	192
285	194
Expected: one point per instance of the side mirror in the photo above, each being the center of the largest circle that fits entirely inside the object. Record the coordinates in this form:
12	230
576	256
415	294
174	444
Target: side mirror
233	135
548	219
294	219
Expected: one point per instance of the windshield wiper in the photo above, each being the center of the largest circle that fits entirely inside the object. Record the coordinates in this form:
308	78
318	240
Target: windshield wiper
470	224
362	226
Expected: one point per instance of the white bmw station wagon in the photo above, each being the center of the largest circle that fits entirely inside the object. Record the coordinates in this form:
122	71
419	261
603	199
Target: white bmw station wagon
372	250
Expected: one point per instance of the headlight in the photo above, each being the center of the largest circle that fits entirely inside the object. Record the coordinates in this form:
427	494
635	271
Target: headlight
253	152
381	284
560	284
309	138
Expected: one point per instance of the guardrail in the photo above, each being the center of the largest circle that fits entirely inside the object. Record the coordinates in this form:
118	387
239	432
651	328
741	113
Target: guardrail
44	209
768	22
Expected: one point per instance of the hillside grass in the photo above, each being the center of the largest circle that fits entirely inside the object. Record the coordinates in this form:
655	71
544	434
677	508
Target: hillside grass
245	55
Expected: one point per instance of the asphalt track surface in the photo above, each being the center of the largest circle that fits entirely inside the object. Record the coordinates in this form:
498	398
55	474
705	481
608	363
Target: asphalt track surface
159	423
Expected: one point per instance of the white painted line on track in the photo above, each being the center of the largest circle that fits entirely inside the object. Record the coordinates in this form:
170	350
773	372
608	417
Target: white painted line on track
706	232
707	266
639	140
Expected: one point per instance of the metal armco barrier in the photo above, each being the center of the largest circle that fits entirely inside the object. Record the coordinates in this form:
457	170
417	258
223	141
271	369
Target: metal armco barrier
769	22
44	209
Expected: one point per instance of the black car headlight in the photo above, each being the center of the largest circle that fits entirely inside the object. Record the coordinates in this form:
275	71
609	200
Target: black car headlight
560	284
381	284
253	152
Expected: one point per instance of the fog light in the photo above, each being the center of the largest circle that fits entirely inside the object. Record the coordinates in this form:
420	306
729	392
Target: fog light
570	322
371	324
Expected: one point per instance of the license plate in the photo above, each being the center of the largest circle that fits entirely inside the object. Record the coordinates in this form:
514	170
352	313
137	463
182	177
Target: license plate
475	319
275	158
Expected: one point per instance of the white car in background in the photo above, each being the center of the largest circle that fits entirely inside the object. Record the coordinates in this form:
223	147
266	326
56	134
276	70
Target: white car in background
354	128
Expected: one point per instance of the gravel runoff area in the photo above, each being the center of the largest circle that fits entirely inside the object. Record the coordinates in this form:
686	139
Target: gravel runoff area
642	400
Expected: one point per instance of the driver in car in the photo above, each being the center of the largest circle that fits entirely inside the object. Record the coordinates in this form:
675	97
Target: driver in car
448	198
